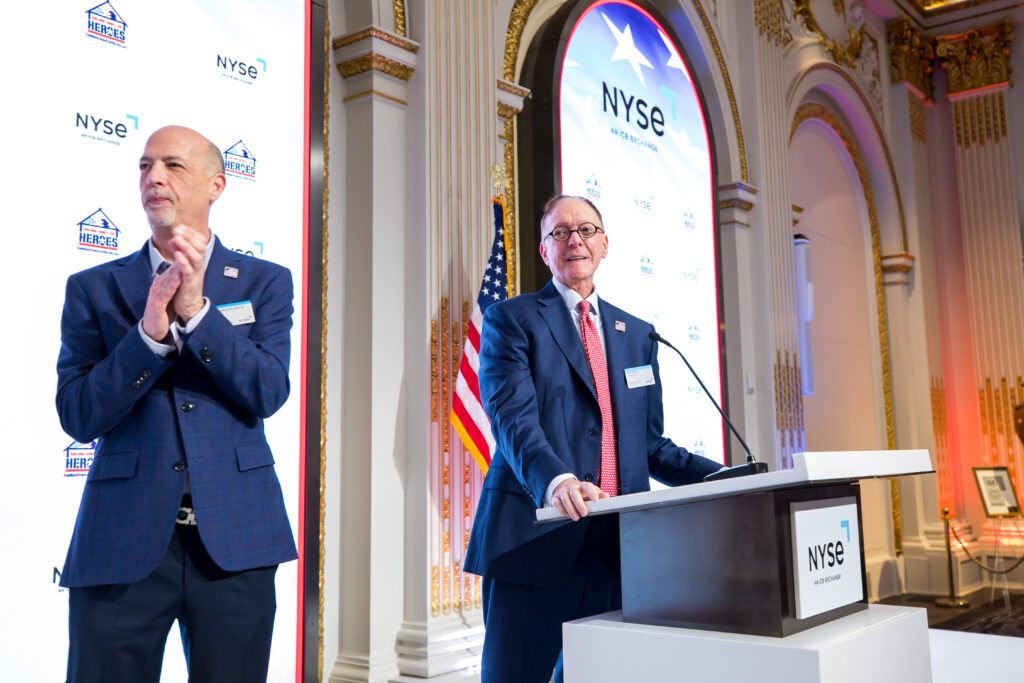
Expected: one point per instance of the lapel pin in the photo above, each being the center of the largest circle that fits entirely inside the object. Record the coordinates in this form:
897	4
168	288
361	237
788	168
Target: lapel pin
231	272
620	326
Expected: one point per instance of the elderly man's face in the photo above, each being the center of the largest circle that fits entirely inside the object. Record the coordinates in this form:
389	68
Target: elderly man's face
177	180
573	262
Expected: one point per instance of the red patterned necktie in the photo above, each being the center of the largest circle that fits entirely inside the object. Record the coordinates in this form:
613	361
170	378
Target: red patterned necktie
595	354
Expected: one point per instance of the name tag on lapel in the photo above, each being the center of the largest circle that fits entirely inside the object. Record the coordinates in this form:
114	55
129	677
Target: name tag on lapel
238	313
640	376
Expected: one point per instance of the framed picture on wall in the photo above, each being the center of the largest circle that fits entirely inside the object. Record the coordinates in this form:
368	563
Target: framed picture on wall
997	492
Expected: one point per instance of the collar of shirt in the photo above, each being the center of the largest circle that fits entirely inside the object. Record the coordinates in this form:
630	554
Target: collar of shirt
156	258
572	300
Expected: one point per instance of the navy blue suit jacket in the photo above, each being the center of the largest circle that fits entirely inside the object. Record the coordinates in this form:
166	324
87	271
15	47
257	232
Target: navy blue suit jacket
203	408
538	391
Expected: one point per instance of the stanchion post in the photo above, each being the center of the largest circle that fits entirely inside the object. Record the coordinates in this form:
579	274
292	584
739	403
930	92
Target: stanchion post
952	600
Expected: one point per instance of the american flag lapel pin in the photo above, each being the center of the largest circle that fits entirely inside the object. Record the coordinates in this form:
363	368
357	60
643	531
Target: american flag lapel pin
620	326
231	272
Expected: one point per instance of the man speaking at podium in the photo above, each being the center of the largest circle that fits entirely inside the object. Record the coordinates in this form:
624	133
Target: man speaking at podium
571	386
171	358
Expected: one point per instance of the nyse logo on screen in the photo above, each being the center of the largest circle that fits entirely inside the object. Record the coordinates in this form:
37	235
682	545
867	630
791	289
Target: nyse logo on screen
634	110
694	390
593	187
646	265
96	232
239	161
102	129
106	24
240	70
78	458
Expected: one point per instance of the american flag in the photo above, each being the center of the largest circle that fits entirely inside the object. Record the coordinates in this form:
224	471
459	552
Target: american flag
468	416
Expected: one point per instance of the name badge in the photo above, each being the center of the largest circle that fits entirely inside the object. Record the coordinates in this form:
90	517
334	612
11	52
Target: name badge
238	313
640	376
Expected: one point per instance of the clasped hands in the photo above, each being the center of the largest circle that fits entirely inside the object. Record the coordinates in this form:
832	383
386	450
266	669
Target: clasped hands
571	495
178	291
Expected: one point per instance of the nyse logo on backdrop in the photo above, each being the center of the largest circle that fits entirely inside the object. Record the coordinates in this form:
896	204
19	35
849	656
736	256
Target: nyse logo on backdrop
689	220
646	265
78	458
593	187
103	129
644	204
56	581
691	275
694	390
105	23
239	161
96	232
241	70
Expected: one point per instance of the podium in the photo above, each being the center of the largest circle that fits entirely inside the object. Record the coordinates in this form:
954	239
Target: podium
768	555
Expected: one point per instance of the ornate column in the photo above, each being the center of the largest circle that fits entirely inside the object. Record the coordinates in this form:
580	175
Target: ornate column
977	63
912	306
776	217
376	66
978	66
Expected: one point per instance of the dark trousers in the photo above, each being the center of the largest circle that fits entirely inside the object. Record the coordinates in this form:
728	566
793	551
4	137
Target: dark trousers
523	640
226	620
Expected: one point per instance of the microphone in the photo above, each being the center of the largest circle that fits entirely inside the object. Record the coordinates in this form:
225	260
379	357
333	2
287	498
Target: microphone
752	466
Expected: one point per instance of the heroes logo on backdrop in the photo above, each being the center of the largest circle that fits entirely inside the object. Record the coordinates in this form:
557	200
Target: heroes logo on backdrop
96	232
239	161
106	24
78	458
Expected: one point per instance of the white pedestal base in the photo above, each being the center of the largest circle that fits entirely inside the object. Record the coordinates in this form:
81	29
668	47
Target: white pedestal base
882	643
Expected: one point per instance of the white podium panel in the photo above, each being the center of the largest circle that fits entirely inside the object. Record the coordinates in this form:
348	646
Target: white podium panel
880	644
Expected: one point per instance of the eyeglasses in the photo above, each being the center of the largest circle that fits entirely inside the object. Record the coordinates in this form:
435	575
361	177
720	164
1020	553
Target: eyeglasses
561	233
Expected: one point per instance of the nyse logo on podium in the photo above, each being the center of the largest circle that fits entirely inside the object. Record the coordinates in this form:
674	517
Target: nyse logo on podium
96	232
239	161
826	555
78	458
106	24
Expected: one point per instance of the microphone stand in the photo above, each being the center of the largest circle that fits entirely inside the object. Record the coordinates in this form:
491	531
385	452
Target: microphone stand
752	466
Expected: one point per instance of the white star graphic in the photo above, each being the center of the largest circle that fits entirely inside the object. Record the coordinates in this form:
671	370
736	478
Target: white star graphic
674	61
497	256
497	270
626	49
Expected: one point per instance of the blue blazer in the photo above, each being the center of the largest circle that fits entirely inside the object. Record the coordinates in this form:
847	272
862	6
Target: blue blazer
538	392
202	409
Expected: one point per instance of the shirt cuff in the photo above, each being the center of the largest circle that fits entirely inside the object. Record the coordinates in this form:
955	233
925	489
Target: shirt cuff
553	485
159	348
193	323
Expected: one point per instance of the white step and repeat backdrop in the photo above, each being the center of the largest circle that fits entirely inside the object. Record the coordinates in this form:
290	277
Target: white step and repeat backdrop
84	86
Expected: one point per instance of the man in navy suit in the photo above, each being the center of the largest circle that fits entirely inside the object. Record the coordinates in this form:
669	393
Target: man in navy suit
172	358
573	421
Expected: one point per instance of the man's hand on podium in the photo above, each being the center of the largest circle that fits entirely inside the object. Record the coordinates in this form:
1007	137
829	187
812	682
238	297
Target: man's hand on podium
570	498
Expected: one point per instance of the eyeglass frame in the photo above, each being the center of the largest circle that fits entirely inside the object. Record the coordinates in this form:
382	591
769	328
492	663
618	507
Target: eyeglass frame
551	233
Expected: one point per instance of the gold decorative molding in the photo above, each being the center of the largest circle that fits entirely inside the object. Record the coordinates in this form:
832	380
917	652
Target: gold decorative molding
400	18
789	405
514	35
978	58
915	108
980	118
770	19
996	400
717	49
911	53
375	62
324	216
846	53
897	263
940	431
735	203
380	34
817	111
370	92
516	90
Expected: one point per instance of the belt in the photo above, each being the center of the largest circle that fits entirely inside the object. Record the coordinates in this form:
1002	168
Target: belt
186	515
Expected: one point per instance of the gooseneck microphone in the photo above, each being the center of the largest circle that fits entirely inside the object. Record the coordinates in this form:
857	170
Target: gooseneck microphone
752	465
